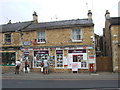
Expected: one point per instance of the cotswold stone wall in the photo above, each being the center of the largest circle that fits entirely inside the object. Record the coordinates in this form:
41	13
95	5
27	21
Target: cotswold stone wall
115	48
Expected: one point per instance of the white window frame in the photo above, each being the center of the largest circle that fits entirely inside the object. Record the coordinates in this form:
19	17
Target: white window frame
56	60
77	34
41	37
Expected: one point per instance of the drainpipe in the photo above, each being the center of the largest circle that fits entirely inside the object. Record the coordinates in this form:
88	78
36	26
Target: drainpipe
111	47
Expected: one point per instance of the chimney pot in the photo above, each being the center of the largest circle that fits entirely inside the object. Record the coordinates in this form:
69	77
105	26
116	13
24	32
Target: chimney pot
35	17
9	22
89	14
107	14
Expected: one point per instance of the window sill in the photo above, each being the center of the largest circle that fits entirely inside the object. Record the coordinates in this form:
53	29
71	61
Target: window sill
41	42
59	67
6	43
77	40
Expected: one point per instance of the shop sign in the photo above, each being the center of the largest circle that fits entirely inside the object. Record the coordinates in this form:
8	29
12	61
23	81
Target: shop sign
74	66
59	51
26	53
77	51
27	43
9	48
41	52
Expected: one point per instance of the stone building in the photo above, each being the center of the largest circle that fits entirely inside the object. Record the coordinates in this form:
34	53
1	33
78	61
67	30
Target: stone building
111	40
99	45
67	45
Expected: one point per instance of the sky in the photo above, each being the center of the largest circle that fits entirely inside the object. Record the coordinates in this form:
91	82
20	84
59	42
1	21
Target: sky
56	10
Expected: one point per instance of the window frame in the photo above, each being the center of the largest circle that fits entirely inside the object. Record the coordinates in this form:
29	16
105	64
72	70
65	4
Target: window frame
41	37
8	62
60	60
7	41
80	40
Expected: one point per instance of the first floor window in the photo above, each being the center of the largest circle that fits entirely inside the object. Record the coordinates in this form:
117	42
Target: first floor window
7	38
76	34
41	37
8	58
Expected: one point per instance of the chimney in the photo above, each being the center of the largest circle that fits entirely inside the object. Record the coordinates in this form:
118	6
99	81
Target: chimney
107	14
9	22
89	15
35	17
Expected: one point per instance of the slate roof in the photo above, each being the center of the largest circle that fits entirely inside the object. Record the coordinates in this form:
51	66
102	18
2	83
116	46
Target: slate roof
26	26
14	27
114	20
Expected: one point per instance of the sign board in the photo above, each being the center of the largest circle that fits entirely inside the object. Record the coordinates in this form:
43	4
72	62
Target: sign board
74	66
91	58
26	43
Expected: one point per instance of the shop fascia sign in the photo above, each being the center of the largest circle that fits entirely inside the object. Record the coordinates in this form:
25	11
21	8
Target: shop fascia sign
66	48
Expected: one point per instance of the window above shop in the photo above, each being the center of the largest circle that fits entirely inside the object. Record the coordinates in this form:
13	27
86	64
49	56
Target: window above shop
76	35
7	38
41	37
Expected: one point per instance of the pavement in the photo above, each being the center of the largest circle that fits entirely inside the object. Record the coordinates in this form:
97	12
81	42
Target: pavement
61	76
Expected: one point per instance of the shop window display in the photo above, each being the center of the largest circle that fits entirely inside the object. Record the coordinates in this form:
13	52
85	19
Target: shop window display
83	64
77	58
59	58
39	56
8	59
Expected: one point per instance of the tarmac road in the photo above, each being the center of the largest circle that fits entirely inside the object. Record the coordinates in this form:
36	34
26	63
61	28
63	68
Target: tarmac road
15	83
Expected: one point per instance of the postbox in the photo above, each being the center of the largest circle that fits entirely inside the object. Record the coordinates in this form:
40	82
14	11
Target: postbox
91	67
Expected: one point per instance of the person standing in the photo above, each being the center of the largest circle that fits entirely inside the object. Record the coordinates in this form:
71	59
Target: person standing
26	66
46	65
18	63
42	65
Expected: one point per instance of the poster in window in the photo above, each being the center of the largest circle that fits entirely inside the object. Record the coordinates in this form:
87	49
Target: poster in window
74	66
83	64
91	59
80	58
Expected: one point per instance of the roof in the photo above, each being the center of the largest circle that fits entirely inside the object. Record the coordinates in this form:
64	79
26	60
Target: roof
14	27
27	26
114	20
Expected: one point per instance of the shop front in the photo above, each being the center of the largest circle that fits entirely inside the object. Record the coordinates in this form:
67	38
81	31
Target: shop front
8	56
62	58
40	56
78	57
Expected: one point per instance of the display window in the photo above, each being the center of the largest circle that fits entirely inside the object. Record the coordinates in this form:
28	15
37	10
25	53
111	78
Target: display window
59	58
77	58
83	64
39	56
8	58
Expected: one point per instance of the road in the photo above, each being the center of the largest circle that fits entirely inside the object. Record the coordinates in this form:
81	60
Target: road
14	83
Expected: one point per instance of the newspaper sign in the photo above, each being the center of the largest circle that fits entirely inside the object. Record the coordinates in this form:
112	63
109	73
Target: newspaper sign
74	66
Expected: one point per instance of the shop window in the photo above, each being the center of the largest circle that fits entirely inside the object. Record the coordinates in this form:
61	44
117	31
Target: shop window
39	56
76	35
41	37
77	58
7	38
8	59
83	64
59	58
